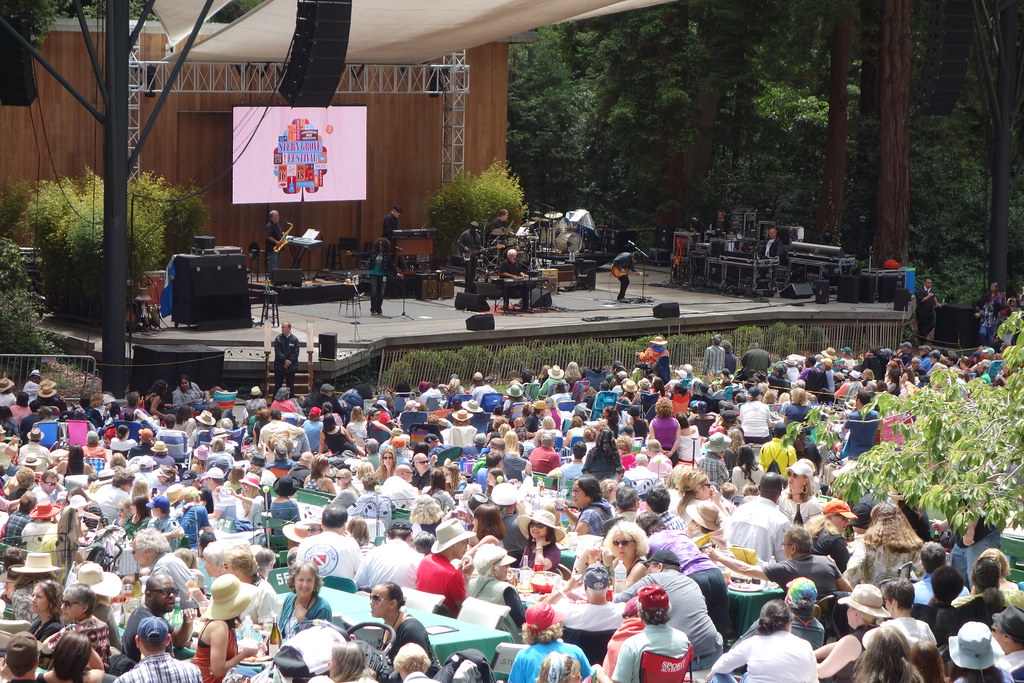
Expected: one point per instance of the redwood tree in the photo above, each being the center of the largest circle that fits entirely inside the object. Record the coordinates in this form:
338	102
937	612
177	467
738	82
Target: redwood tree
833	181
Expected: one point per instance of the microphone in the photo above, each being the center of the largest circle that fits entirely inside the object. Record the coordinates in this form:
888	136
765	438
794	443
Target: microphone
398	248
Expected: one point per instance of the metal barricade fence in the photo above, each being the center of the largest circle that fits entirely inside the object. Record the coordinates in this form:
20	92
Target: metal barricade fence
75	375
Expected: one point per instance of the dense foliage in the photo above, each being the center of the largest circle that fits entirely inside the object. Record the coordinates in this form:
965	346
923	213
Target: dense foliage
21	332
655	115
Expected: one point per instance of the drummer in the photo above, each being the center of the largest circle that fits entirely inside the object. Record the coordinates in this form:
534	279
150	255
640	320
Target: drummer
498	225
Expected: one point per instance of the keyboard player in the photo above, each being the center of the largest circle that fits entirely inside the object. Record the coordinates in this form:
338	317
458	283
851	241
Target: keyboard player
512	269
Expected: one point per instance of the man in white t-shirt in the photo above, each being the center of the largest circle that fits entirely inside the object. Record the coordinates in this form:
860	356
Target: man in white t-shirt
898	595
333	553
399	487
596	614
393	560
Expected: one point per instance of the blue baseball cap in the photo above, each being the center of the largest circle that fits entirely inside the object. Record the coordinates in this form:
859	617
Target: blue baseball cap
153	629
160	503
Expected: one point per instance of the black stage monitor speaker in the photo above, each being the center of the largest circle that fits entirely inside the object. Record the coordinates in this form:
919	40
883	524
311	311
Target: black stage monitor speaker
287	276
328	345
319	47
586	274
471	302
476	323
17	84
539	298
901	299
956	326
797	290
868	289
670	310
848	291
821	291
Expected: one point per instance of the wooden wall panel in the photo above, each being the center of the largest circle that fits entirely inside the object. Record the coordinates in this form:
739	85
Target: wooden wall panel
191	143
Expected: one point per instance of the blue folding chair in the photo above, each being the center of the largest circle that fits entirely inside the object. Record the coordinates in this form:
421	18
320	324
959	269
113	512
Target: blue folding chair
593	378
176	443
479	421
51	433
602	401
490	401
462	398
412	417
531	390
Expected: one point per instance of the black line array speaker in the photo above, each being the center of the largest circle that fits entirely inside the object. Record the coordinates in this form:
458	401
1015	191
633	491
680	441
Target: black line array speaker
211	292
821	291
539	298
956	326
465	301
291	277
203	364
901	299
868	289
17	83
848	291
797	290
947	49
318	53
669	310
477	323
328	345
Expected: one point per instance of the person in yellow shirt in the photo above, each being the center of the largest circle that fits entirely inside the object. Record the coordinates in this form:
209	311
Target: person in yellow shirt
774	453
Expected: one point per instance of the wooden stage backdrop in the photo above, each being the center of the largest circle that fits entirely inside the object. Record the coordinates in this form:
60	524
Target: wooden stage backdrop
191	142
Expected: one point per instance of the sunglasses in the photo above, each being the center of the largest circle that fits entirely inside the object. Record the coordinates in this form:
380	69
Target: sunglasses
419	462
67	603
166	591
622	544
538	525
374	598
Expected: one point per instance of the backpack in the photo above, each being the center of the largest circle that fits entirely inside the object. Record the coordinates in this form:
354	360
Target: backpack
773	466
466	666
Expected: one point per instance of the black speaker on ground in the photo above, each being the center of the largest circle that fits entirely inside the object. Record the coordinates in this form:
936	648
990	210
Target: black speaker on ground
868	289
539	298
328	345
821	291
901	299
17	84
887	288
956	326
211	292
797	290
476	323
947	50
622	240
318	53
291	277
663	237
465	301
586	274
670	310
848	291
203	364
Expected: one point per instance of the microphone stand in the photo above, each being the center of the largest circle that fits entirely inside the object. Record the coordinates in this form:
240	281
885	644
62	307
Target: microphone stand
644	299
404	314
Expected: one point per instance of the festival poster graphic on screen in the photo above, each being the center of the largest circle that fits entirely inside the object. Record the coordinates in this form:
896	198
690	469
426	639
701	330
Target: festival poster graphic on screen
285	154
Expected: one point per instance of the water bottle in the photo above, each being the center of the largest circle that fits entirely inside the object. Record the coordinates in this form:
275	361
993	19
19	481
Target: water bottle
620	576
176	617
247	628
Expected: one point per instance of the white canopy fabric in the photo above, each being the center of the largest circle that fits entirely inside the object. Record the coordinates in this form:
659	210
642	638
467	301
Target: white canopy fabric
383	31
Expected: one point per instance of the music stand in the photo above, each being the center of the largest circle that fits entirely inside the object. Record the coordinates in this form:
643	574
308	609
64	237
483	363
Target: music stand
350	298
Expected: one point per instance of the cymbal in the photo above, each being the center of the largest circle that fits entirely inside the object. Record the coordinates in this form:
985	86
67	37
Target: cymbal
503	231
553	215
529	222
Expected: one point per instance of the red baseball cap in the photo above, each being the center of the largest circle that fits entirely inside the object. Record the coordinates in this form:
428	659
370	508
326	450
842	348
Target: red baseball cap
540	617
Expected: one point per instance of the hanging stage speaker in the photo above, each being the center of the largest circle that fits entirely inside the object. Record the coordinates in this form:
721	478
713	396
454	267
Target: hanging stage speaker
465	301
319	47
17	84
946	56
821	291
328	346
848	291
666	310
797	290
287	276
539	298
476	323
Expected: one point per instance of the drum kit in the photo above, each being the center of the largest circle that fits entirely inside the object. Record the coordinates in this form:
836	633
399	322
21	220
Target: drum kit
539	236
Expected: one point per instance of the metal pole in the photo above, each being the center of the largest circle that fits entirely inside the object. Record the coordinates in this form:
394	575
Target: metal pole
1006	80
115	199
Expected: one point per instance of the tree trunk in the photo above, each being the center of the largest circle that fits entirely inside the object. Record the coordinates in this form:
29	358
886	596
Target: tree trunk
893	229
870	33
833	182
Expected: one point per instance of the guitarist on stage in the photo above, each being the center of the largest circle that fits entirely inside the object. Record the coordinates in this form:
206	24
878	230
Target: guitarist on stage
470	245
622	265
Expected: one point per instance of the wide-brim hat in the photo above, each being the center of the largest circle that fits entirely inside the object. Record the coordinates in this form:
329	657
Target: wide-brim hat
555	372
472	406
174	493
973	647
296	532
489	556
285	486
6	384
47	388
448	534
515	390
159	447
228	598
45	511
31	460
707	514
102	583
461	415
540	404
630	386
251	480
719	442
255	391
659	341
36	563
867	598
544	517
206	418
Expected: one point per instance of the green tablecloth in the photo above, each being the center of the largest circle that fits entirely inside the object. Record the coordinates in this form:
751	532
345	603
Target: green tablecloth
745	608
356	608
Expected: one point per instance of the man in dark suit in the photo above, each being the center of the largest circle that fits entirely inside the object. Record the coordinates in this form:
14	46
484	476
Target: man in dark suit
927	302
286	357
391	222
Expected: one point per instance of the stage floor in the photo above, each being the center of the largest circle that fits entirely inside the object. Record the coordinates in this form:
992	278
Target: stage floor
436	323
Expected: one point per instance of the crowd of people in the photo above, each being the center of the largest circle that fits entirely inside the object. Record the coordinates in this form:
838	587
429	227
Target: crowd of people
649	489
